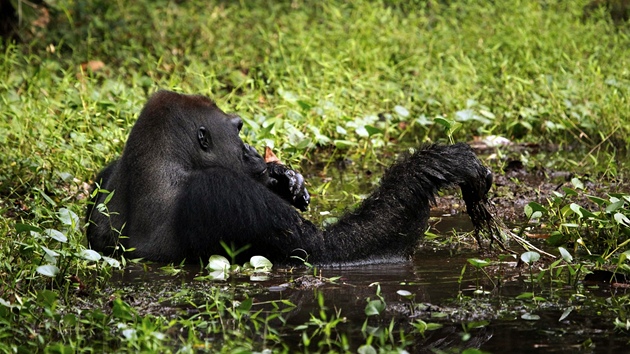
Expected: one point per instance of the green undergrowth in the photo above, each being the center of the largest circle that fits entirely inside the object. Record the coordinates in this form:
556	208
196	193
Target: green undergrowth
320	82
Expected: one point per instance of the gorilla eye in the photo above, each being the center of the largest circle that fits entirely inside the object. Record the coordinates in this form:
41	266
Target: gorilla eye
204	138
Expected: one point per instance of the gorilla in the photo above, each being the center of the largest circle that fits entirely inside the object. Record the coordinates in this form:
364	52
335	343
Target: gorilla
186	181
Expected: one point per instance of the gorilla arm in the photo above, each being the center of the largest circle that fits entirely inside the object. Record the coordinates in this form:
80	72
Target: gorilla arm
220	204
389	223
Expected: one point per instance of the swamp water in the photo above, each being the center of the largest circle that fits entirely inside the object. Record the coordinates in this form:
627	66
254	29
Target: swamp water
493	322
567	316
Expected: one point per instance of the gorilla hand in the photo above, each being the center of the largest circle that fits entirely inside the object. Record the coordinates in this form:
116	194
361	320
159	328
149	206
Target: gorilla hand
289	185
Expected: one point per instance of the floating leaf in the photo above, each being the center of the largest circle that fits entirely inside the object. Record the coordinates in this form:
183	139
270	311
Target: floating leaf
56	235
48	270
530	317
218	263
261	263
259	277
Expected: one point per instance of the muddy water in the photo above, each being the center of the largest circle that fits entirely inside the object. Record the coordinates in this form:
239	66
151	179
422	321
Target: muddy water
490	322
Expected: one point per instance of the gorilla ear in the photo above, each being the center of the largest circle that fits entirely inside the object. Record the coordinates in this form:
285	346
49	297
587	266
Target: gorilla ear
204	138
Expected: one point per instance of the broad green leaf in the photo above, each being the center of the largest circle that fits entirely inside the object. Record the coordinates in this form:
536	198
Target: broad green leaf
622	257
68	218
90	255
46	298
19	228
443	122
405	293
532	208
344	143
122	310
374	307
401	111
362	132
478	263
577	183
112	262
565	254
530	257
576	209
48	270
245	305
372	130
597	200
56	235
366	349
622	219
614	206
569	191
50	252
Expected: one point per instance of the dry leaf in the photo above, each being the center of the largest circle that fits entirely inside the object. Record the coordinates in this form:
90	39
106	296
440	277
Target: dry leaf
270	156
93	65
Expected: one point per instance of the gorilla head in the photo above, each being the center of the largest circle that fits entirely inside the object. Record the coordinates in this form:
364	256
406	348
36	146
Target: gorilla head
186	181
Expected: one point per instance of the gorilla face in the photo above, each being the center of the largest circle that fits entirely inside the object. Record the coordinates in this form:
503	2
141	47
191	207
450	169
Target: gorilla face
220	143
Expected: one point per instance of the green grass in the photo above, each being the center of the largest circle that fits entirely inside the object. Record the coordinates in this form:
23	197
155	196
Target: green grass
309	78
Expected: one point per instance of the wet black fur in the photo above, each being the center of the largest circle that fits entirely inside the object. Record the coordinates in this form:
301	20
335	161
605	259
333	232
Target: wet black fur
173	200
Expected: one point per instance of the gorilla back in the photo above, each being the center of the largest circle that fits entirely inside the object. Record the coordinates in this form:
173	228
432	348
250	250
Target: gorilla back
186	181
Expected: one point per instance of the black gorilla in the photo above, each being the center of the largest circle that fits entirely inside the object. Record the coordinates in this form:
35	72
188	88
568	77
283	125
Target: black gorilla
186	181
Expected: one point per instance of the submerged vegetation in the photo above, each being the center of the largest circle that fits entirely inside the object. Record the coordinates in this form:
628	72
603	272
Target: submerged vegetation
322	83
